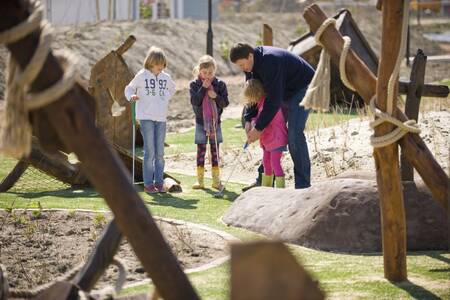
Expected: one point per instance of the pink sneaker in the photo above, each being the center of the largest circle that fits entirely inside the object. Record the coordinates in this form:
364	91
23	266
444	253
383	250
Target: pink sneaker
161	188
150	189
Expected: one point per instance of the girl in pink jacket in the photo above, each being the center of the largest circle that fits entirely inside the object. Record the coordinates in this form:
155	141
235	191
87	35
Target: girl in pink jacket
274	137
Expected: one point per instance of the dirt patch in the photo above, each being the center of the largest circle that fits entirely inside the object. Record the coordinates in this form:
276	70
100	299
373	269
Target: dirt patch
38	246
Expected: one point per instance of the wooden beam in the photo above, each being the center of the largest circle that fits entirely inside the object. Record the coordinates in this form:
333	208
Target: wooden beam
365	83
73	122
100	258
428	90
13	176
267	35
266	270
126	45
412	104
393	223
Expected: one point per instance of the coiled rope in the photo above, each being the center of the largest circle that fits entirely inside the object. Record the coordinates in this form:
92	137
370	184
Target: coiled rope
317	95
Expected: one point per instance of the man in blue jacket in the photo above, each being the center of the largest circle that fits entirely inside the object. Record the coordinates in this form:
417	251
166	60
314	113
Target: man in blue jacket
285	78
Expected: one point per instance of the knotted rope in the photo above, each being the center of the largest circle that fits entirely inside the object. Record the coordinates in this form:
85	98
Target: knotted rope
317	99
15	128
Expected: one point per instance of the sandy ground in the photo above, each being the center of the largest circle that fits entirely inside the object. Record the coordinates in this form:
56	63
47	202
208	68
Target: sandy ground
38	247
332	150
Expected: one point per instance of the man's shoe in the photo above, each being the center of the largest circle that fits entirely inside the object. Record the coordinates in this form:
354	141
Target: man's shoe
254	184
150	189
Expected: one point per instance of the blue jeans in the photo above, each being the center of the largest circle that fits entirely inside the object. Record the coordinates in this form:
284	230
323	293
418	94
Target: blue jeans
154	134
297	117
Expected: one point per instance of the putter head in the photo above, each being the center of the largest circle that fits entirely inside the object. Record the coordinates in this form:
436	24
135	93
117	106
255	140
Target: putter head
219	194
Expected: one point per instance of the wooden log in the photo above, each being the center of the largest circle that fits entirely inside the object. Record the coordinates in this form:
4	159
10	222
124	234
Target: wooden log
56	165
428	90
74	124
412	104
13	176
60	290
126	45
365	83
393	222
267	35
100	258
266	270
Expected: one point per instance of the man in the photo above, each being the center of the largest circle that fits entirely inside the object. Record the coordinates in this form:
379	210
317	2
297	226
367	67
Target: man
285	78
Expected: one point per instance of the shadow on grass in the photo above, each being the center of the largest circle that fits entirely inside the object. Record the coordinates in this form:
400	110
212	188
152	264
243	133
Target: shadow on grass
169	199
63	193
416	291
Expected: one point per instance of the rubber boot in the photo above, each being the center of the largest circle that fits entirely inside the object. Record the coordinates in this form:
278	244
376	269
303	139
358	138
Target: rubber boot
216	184
267	180
279	182
200	184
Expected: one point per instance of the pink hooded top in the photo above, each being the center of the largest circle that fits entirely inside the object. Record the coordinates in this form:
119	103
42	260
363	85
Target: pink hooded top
274	135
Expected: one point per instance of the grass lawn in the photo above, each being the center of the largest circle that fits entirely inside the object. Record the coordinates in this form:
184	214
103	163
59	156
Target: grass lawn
342	276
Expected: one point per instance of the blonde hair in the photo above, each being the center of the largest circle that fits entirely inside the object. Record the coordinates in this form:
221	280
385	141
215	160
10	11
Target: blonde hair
253	91
205	62
155	56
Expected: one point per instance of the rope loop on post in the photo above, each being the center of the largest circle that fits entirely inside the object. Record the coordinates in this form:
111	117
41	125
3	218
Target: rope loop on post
15	128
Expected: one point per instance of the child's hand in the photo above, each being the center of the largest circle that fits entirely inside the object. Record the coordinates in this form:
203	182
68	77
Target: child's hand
212	94
134	98
206	83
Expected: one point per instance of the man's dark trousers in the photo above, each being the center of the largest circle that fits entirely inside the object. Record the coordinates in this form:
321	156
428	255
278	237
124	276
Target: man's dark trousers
297	117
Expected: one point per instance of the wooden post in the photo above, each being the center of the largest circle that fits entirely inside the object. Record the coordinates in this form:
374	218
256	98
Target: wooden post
100	258
412	105
267	35
74	125
97	10
393	224
364	81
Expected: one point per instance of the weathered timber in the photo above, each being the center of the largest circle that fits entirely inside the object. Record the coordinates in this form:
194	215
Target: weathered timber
413	103
267	35
59	290
109	76
13	176
100	258
306	47
55	165
265	270
73	123
365	83
428	90
393	220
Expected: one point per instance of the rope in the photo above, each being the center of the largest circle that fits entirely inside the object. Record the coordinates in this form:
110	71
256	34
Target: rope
105	293
15	129
108	292
317	96
319	82
27	294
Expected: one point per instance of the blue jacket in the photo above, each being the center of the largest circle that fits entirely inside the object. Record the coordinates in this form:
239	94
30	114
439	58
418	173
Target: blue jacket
197	92
282	74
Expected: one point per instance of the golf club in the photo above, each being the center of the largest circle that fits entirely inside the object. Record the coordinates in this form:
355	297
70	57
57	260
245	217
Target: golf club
219	194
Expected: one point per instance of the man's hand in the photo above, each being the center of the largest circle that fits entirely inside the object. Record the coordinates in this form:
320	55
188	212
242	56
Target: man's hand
253	135
212	94
134	98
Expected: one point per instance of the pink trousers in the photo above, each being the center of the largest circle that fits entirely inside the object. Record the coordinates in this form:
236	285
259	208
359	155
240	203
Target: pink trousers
272	163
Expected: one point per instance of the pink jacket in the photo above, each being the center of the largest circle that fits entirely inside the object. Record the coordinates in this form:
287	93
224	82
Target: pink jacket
275	135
